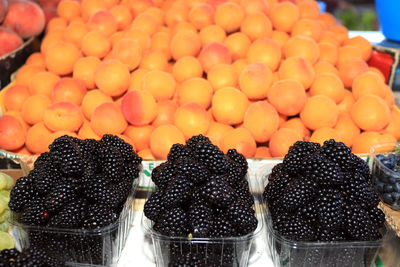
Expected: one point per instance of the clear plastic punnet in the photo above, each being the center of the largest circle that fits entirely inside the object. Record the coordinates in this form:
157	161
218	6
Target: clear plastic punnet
222	251
386	181
81	247
289	253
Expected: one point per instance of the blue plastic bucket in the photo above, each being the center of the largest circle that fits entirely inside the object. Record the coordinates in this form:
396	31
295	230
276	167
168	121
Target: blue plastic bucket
389	19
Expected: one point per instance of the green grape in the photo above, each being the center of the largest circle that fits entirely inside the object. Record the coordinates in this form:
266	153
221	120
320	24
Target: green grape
4	216
6	181
7	241
3	206
5	195
3	181
5	226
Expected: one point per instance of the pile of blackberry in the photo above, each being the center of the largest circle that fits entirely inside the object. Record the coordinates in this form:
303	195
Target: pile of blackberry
201	192
323	193
30	257
77	184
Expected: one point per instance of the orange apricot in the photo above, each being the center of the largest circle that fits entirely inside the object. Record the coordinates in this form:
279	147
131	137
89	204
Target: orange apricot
262	120
108	119
287	96
319	111
255	81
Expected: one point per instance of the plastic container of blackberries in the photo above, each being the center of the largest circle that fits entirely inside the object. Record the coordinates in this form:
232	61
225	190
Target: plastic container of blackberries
81	247
385	179
289	253
224	251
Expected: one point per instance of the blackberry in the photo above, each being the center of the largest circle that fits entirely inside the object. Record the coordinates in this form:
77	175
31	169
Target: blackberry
217	192
29	257
34	215
173	222
239	159
323	171
221	227
276	187
336	152
98	216
44	180
358	225
67	155
330	210
309	213
233	174
199	218
242	217
122	191
325	235
357	164
377	217
187	260
163	174
211	157
112	162
99	191
59	196
124	148
177	192
191	170
294	228
293	160
89	149
71	216
130	171
154	207
179	151
8	254
243	192
21	194
298	193
360	193
43	161
277	171
194	140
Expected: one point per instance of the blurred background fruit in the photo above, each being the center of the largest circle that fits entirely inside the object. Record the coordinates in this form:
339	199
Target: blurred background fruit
252	75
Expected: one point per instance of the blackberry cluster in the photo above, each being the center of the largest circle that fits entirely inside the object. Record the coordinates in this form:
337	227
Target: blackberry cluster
77	184
201	192
323	193
30	257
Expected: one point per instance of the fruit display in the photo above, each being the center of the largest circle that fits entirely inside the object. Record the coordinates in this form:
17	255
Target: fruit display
201	195
30	257
72	203
7	241
386	174
323	194
19	20
254	75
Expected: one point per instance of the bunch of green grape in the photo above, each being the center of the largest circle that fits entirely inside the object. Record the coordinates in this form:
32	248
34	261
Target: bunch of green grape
7	241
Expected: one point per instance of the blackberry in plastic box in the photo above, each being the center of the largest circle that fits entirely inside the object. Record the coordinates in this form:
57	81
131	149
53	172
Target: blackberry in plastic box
78	184
322	194
201	193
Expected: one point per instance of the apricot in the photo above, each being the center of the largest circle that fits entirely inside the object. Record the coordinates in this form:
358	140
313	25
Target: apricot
139	107
213	54
12	133
9	41
26	18
191	119
38	138
108	119
63	116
